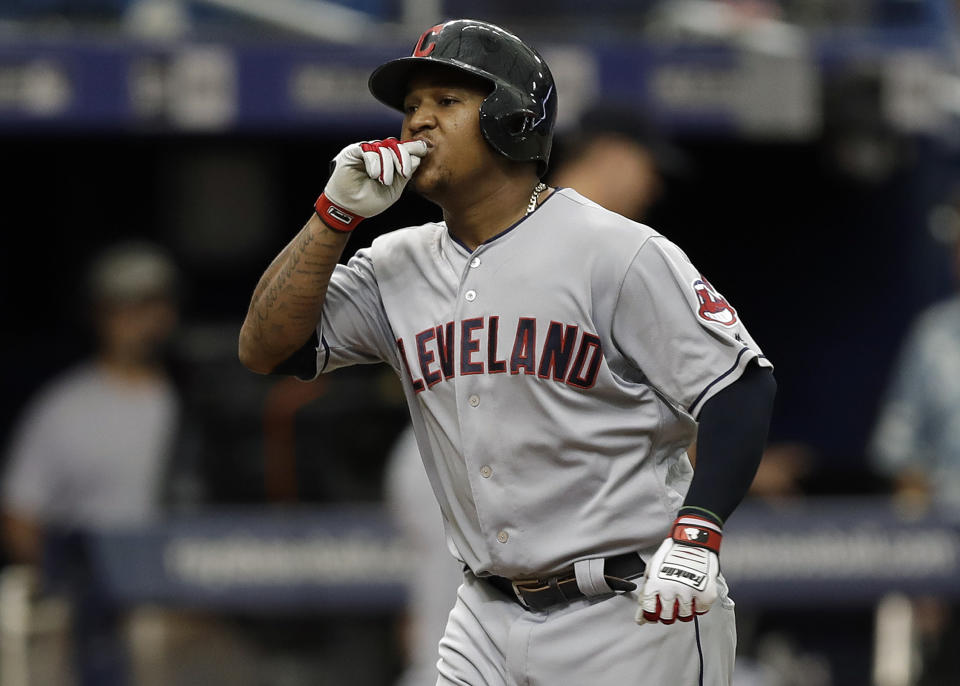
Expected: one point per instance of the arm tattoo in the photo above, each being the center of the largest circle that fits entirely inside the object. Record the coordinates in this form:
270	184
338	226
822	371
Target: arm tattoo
294	287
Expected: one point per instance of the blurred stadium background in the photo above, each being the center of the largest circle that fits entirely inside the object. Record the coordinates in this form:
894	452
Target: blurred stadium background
820	142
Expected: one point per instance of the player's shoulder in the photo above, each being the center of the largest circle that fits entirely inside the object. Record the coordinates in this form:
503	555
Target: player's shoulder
588	219
76	380
407	239
65	391
622	240
944	313
405	251
937	324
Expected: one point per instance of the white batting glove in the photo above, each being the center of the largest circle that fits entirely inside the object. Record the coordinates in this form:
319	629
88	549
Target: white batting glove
366	178
681	579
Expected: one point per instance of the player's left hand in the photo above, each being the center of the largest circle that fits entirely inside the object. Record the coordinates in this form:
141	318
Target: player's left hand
681	579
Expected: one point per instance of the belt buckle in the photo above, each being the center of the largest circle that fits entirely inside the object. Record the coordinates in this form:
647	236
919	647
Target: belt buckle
516	589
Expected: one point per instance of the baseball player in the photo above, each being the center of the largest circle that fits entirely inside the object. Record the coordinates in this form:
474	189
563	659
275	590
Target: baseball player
557	360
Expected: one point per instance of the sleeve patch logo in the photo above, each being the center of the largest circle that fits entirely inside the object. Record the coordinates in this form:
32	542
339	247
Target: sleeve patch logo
713	307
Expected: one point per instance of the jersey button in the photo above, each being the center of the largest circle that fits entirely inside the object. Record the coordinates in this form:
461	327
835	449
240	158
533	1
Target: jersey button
470	296
474	400
503	536
485	471
475	262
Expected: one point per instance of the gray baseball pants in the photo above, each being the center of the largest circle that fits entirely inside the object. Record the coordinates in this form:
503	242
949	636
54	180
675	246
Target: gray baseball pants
490	640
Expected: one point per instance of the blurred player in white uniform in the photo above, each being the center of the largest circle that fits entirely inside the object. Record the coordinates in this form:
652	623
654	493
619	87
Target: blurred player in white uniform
916	441
436	574
92	448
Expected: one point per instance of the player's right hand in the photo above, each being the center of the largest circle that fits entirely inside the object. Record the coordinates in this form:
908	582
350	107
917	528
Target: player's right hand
365	179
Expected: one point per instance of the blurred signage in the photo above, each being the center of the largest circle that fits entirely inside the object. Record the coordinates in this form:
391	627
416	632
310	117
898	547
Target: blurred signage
193	88
717	88
243	560
35	88
847	551
760	95
294	559
318	87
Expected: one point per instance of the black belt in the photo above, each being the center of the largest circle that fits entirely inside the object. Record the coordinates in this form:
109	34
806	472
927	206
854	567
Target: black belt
543	593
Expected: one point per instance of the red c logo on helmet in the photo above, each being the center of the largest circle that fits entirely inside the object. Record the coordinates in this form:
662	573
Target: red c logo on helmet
423	47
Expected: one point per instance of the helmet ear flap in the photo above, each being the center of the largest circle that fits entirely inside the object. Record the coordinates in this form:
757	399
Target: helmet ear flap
514	128
518	122
504	119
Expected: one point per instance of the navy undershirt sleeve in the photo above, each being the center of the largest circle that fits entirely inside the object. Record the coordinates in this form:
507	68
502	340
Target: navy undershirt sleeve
302	363
731	436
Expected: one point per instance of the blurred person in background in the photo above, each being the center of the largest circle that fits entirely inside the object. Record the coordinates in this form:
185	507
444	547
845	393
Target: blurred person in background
618	159
91	449
916	440
434	576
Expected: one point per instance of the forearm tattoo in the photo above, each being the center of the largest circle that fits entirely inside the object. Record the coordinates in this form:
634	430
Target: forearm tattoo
290	296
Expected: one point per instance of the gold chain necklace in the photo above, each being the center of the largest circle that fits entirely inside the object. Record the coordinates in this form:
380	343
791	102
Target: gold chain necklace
541	187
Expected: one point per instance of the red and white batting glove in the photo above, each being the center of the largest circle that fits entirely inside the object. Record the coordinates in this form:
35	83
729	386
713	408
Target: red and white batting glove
681	579
366	179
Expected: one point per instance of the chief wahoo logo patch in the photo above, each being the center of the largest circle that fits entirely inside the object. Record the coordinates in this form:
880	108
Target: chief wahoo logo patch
713	306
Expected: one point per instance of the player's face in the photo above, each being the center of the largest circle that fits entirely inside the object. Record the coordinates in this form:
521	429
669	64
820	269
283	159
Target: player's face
443	108
136	331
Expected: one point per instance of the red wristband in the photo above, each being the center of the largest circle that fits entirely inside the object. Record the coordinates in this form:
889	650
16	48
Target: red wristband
698	532
334	216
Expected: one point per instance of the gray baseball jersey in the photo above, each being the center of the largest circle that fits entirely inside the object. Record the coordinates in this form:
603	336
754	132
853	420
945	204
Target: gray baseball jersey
553	376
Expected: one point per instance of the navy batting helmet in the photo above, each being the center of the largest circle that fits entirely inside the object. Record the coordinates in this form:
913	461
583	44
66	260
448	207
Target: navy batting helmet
517	117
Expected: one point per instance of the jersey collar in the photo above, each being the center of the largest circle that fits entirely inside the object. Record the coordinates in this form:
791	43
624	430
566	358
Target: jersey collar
506	230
